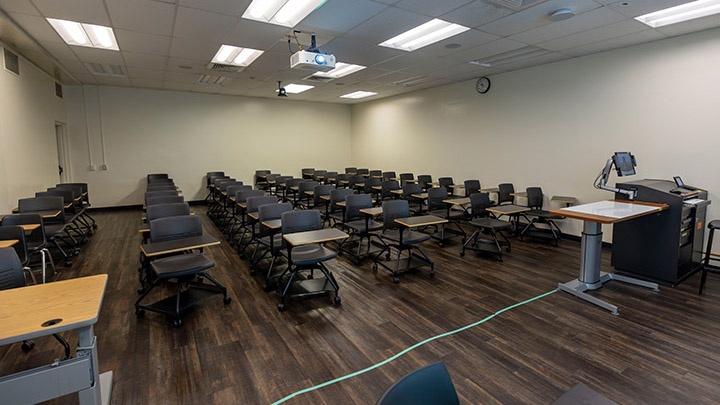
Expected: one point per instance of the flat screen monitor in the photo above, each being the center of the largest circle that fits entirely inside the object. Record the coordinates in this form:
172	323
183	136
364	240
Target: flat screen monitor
624	163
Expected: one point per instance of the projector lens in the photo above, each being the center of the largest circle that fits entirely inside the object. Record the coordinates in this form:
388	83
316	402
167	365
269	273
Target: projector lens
320	59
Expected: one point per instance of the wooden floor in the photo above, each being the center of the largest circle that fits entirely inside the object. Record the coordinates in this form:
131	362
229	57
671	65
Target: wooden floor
663	348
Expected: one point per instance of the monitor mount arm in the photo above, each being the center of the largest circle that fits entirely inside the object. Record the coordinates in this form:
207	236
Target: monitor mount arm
605	175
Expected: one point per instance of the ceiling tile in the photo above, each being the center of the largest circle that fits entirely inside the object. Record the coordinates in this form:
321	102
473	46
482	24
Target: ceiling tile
617	29
133	41
432	8
202	25
535	16
635	8
234	8
387	24
341	15
113	81
196	66
193	49
58	50
181	77
148	74
591	19
619	42
267	64
359	52
204	88
145	83
75	67
37	27
150	17
18	6
502	45
98	55
476	14
254	34
177	86
86	11
467	39
145	60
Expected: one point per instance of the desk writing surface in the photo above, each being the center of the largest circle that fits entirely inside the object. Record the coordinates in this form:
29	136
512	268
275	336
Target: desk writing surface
610	211
273	223
30	227
422	196
319	236
144	228
325	197
372	211
378	188
8	243
423	220
563	199
519	194
76	301
396	192
253	215
457	201
457	186
294	188
490	190
45	214
178	245
508	209
310	192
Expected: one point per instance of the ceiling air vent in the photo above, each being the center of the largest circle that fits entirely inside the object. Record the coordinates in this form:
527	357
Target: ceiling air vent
517	55
220	68
515	5
102	69
12	63
319	78
210	80
58	89
411	81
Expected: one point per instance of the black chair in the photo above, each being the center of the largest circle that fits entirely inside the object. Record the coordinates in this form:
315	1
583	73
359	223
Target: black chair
163	193
373	187
162	187
331	178
167	210
446	182
210	175
376	174
73	220
437	207
241	198
410	189
389	176
55	228
18	233
274	246
319	175
80	203
425	180
387	187
471	187
429	385
356	182
35	240
707	267
540	216
351	170
487	225
259	178
363	172
183	269
85	199
304	200
157	176
292	195
504	194
164	200
359	226
405	178
252	208
395	236
336	213
306	257
319	192
307	173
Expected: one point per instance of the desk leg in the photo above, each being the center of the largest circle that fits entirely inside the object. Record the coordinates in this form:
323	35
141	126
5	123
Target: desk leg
99	392
591	278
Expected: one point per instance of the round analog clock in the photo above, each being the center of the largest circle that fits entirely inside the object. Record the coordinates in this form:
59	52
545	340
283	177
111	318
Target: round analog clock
483	85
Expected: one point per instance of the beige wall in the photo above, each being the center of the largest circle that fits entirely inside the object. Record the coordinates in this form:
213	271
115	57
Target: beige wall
555	125
188	134
28	151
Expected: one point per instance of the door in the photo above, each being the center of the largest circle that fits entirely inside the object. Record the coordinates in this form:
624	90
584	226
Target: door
62	152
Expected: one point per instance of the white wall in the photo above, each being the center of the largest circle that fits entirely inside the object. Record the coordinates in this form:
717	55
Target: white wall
187	135
29	109
555	125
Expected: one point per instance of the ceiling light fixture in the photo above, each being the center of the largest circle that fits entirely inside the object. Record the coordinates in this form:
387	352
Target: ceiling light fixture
80	34
358	94
236	56
683	12
281	12
296	88
423	35
341	70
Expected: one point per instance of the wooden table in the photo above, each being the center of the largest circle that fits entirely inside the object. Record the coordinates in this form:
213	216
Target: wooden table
593	216
8	243
48	309
568	201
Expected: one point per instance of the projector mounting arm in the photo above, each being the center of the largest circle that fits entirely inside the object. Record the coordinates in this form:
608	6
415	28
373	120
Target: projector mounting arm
605	175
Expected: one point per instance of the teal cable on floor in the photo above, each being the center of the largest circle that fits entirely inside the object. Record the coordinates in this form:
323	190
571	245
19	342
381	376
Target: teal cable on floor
415	346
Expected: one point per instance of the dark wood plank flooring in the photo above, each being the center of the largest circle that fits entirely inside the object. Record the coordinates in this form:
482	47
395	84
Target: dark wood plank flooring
663	348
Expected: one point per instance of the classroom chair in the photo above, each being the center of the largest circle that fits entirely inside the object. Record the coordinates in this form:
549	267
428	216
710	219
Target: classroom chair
437	207
343	180
164	200
405	177
319	191
356	182
373	187
258	178
335	212
307	173
487	224
55	228
275	247
363	172
355	223
292	195
706	266
504	194
241	198
162	187
540	216
425	180
445	182
72	215
252	208
18	233
331	178
351	170
375	174
167	210
471	187
157	176
430	385
410	189
387	187
85	199
389	176
319	175
35	240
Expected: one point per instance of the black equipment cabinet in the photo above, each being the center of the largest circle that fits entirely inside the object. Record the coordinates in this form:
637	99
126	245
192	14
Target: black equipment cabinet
665	247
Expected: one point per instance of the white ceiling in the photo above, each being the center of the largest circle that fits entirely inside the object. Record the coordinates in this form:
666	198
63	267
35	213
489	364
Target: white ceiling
166	44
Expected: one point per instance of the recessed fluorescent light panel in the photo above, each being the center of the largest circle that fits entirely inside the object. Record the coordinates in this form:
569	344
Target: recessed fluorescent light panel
341	70
683	12
424	35
80	34
296	88
358	94
236	56
281	12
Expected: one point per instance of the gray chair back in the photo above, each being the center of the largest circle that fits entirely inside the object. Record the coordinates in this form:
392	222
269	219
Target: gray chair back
534	198
337	196
351	170
154	212
410	189
11	270
404	177
301	221
306	186
354	203
445	182
436	196
16	233
319	191
504	191
388	186
479	202
388	176
242	196
393	210
164	200
254	202
273	211
171	228
471	187
36	237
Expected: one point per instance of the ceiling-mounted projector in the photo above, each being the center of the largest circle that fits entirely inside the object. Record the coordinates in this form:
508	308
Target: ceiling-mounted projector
315	61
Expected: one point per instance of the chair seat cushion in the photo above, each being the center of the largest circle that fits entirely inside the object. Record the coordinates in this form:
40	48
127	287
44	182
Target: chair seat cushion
714	224
408	237
359	225
491	223
543	214
311	254
181	265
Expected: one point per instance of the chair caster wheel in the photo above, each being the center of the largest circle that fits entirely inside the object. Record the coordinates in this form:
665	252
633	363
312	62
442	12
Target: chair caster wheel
281	307
68	263
253	273
441	244
387	257
464	240
140	313
94	226
27	345
357	262
267	288
141	291
75	252
338	299
432	273
227	300
310	277
375	266
462	254
507	250
177	323
396	280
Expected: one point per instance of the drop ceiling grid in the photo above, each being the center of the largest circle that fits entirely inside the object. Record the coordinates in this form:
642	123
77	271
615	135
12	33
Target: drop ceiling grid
158	37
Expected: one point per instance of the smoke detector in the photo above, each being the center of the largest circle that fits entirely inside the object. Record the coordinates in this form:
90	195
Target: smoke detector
561	14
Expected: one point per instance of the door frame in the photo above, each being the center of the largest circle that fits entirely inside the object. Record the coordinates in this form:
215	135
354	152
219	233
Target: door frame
64	149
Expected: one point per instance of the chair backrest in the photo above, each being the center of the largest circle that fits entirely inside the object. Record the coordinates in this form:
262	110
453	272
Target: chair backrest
471	187
504	191
37	236
83	189
319	175
242	196
54	203
273	211
156	176
479	202
351	170
306	186
232	190
218	179
388	176
375	173
337	196
429	385
371	182
354	203
331	177
321	190
154	212
164	200
389	185
301	221
307	173
67	195
210	175
424	181
76	190
393	210
343	177
436	196
292	183
179	227
161	188
11	270
254	202
17	233
362	171
161	193
411	188
445	182
160	182
534	198
226	184
404	177
358	178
